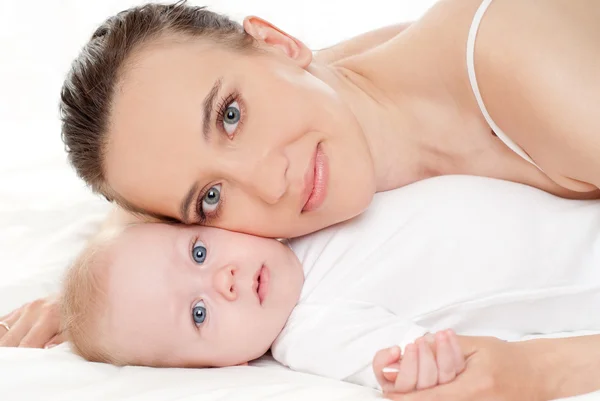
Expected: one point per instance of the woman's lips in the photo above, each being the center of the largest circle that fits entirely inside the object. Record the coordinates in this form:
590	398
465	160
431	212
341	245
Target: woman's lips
316	178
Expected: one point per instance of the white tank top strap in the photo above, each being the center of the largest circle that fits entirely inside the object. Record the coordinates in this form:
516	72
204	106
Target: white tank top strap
473	79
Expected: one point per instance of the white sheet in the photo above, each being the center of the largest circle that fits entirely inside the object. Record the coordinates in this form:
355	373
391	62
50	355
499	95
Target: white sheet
37	239
59	375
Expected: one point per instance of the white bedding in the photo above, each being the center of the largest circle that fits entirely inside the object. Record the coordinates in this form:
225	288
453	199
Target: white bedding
37	239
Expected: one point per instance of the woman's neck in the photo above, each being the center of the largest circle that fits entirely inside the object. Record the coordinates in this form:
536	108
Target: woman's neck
406	124
411	96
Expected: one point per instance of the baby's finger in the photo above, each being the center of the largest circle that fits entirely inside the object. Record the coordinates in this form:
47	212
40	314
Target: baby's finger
444	358
429	339
408	373
459	356
383	365
427	369
390	372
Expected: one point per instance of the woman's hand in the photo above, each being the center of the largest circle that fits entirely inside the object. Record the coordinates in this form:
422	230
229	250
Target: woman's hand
495	371
34	325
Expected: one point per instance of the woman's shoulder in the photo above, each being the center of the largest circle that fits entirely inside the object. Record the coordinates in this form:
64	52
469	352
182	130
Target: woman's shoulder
359	44
446	17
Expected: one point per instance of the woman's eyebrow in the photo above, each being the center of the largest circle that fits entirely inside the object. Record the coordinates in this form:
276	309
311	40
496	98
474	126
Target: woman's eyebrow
209	100
208	106
184	208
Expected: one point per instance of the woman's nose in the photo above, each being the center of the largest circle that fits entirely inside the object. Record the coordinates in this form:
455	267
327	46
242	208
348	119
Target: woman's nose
264	176
224	281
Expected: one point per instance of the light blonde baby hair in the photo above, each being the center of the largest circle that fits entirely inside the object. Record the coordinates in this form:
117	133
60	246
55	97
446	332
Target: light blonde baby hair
84	302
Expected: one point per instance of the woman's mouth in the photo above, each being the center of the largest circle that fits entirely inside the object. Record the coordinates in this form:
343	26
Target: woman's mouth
262	283
315	181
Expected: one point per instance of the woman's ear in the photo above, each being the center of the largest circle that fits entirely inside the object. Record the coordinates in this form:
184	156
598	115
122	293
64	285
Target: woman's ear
265	32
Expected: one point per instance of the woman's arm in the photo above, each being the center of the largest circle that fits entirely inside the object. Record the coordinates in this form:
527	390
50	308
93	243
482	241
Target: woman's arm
538	69
359	44
570	365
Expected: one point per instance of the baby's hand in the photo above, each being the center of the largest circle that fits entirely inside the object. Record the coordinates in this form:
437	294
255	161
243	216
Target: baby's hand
429	361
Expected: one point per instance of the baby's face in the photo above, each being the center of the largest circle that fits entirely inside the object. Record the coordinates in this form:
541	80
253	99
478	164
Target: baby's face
198	296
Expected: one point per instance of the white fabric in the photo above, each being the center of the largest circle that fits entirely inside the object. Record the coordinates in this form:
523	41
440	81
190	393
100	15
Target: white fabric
38	238
473	79
481	256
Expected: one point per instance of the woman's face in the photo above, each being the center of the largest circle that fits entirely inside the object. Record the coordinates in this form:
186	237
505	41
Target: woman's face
246	142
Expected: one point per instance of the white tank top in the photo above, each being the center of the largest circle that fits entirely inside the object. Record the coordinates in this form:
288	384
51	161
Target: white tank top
473	79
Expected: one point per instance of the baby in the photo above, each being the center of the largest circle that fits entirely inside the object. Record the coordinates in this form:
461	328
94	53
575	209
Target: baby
190	296
468	253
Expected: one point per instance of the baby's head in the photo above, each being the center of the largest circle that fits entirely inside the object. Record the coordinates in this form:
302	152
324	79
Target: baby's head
179	296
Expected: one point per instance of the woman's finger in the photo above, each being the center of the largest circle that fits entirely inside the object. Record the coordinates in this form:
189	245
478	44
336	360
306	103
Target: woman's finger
10	321
454	391
56	340
19	327
9	315
42	331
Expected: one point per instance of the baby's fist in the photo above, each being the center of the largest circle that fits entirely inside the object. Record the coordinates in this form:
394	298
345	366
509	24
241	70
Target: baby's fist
429	361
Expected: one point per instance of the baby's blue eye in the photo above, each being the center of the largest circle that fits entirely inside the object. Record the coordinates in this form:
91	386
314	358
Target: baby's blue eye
199	313
199	252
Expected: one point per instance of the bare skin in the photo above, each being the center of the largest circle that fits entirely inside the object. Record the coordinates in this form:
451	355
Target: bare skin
560	136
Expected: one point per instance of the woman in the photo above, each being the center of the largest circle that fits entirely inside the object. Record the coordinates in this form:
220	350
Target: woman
253	134
177	113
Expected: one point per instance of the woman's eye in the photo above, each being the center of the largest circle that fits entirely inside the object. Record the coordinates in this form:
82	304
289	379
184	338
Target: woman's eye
211	199
199	313
199	252
231	118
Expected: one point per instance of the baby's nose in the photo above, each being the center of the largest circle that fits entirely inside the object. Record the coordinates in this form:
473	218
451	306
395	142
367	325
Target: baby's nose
224	282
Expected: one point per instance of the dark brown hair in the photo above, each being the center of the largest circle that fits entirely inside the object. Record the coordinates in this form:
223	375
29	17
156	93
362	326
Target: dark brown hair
87	92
